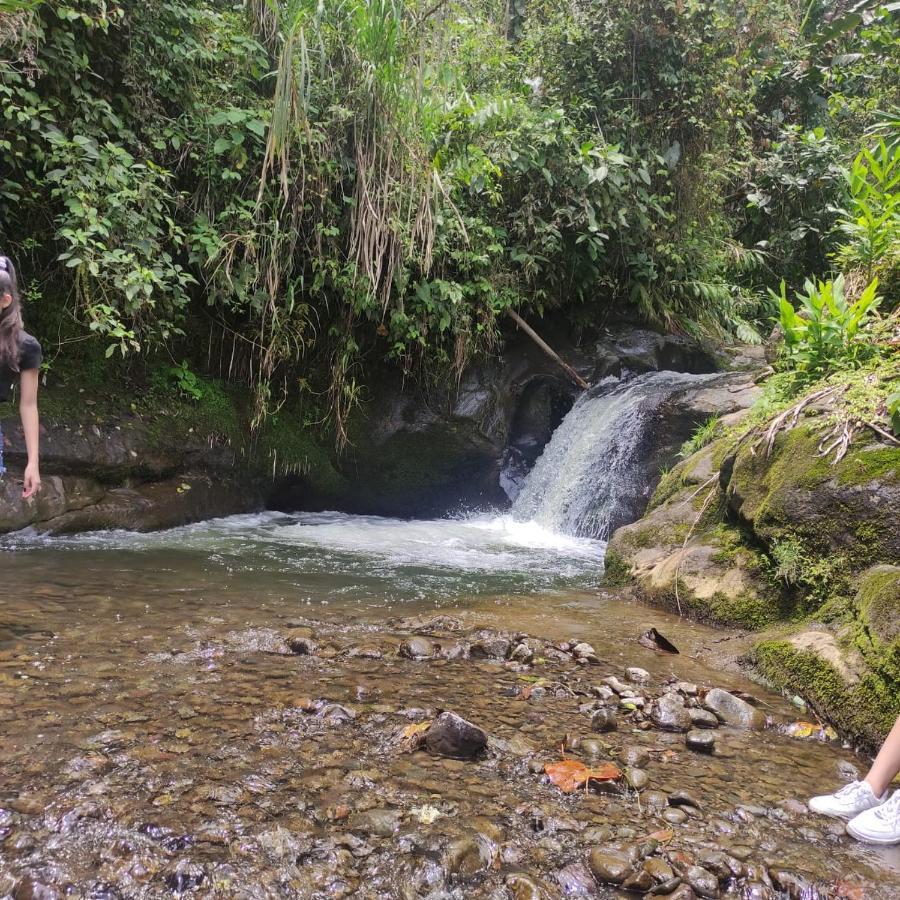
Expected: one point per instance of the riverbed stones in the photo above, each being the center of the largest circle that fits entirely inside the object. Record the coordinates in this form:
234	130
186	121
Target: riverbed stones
700	741
584	652
418	647
670	714
610	866
703	718
604	720
453	736
733	710
523	887
637	675
576	881
702	881
637	778
489	646
468	855
380	822
658	869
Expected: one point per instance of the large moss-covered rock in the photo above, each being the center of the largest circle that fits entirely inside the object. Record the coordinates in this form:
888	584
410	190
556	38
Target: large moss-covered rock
756	540
849	671
850	507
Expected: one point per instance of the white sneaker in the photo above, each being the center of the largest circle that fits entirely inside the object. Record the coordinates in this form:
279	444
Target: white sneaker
848	802
880	825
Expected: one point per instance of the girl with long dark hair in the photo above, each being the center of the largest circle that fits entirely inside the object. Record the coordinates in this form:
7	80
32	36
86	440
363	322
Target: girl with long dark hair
20	359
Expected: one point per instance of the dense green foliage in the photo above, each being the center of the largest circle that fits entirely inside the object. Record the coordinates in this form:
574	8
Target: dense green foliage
284	193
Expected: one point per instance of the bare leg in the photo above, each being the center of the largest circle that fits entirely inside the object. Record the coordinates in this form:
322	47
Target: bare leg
887	763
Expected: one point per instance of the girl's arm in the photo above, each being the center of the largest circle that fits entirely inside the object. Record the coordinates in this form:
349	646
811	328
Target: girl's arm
28	409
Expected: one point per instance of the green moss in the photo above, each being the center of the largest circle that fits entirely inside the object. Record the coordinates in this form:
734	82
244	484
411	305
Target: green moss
867	465
878	600
669	485
616	572
863	712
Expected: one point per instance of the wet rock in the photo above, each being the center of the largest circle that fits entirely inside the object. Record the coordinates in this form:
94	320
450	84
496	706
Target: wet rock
615	685
30	889
688	688
610	866
586	652
704	883
683	892
300	641
468	855
703	718
521	653
604	720
795	886
523	887
452	736
633	755
700	741
637	778
658	869
755	890
490	647
733	710
336	713
655	800
637	675
575	881
683	798
722	865
379	822
675	816
639	881
669	713
418	648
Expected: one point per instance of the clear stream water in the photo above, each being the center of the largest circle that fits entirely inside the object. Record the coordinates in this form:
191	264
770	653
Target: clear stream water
156	736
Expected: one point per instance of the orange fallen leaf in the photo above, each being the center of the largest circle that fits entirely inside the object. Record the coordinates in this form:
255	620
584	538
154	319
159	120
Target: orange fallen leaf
663	836
570	774
413	736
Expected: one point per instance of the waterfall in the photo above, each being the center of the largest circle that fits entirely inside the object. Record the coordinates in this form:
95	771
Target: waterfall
592	476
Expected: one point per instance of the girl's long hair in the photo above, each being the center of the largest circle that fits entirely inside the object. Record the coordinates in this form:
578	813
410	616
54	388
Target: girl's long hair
11	324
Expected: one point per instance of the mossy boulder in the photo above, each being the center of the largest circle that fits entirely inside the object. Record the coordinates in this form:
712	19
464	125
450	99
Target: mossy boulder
849	507
680	557
761	540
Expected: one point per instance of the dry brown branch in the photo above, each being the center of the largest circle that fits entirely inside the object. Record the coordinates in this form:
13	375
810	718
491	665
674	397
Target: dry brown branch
706	501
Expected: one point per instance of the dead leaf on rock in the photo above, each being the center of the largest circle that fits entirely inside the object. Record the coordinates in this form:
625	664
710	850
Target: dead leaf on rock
570	774
663	837
412	737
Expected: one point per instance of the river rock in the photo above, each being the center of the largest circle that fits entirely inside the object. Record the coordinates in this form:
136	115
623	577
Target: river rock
490	646
523	887
632	755
703	882
670	714
703	718
576	881
637	675
610	866
380	822
733	710
604	720
658	869
700	741
637	778
451	735
675	816
585	652
417	648
468	855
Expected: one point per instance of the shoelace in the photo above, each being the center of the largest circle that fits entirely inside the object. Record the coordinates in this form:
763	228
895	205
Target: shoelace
850	791
889	810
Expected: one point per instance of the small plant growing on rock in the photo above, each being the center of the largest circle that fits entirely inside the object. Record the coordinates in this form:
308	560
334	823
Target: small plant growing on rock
825	334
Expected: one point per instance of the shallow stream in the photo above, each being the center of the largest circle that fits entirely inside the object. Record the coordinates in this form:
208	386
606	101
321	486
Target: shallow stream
160	737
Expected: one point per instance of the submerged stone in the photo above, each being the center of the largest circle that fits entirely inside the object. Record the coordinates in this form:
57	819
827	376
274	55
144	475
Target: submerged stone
453	736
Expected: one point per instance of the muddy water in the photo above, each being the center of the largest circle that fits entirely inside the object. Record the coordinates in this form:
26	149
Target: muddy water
158	736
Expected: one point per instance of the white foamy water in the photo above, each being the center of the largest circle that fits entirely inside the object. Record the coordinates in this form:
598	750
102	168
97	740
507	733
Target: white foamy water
590	479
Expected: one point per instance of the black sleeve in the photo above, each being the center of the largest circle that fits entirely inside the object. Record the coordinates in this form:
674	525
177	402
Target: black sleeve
31	355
